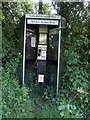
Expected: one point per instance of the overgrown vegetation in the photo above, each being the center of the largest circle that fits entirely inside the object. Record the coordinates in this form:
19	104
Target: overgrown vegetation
76	55
15	99
73	99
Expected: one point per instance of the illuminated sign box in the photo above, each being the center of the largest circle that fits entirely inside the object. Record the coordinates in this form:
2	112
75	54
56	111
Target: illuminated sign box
46	22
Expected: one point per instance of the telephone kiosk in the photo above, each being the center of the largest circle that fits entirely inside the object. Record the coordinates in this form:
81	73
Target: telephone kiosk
41	48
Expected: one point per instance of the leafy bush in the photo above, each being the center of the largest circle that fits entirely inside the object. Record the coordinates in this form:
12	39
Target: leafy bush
69	110
75	81
16	102
47	112
61	106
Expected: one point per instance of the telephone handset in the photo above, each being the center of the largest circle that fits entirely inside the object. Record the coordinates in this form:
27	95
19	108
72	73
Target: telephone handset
39	51
42	49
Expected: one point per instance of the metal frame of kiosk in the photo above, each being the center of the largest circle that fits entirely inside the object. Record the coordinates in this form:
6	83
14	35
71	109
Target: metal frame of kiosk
43	21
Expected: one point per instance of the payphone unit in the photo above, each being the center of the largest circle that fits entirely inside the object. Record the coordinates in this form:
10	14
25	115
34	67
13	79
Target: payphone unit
41	48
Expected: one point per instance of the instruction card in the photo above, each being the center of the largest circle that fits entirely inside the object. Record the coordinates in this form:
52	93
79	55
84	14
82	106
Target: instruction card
40	78
33	41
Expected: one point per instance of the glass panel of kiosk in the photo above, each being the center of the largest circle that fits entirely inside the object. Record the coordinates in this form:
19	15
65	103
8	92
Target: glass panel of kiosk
52	56
31	54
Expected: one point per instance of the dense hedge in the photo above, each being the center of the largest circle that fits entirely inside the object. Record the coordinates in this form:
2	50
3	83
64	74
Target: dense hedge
75	85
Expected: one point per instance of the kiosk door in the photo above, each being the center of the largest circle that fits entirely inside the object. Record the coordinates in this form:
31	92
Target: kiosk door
31	54
52	60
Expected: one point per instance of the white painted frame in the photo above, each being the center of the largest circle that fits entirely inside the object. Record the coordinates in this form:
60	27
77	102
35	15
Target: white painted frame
59	55
24	49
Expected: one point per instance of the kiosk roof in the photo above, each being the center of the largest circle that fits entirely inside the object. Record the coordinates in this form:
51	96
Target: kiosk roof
41	16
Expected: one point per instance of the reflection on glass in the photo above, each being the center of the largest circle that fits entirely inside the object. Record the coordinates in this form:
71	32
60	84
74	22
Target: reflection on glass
31	36
43	39
53	44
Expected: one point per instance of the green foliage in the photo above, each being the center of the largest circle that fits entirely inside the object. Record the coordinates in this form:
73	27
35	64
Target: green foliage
15	99
48	112
75	80
49	93
12	13
11	57
69	110
61	106
45	9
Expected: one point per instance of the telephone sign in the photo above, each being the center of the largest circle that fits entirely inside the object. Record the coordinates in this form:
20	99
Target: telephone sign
45	22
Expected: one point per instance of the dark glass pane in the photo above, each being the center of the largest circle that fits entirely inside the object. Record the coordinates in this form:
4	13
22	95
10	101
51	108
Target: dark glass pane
31	40
53	45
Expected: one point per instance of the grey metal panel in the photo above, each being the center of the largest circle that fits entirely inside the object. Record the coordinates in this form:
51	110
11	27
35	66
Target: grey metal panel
63	22
41	67
43	16
47	17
